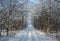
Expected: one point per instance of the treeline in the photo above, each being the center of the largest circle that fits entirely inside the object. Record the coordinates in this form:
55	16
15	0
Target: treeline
48	21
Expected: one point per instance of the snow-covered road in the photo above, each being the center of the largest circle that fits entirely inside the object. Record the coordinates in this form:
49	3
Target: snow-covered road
33	35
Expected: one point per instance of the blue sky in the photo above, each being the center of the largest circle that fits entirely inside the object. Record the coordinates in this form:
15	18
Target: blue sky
31	1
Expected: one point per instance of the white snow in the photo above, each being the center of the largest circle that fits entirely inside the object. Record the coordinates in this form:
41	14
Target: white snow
33	35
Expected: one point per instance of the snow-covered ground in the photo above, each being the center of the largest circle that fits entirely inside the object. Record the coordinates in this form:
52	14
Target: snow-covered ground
33	35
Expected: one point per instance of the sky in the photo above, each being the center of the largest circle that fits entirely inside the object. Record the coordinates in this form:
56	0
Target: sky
32	1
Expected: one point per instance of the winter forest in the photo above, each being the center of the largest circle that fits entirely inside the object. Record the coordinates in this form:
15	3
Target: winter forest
29	20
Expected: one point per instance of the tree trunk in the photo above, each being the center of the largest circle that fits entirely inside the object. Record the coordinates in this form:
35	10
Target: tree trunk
7	31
